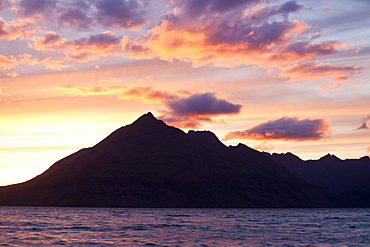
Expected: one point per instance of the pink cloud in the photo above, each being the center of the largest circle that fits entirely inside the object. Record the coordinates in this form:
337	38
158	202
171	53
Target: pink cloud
80	50
27	59
286	128
324	9
335	86
99	43
218	32
7	63
315	70
50	41
16	29
303	50
4	4
149	94
53	63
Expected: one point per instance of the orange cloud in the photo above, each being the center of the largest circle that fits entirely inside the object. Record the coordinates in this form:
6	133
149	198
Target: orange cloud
23	28
50	41
220	33
12	62
286	128
148	94
95	90
7	63
27	59
81	50
53	63
241	40
335	86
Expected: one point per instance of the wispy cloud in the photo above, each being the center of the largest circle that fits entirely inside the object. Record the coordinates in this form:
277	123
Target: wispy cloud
316	70
148	94
335	86
91	90
286	128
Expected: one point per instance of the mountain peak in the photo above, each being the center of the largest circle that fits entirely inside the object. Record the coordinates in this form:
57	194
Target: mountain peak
330	157
147	117
148	122
144	125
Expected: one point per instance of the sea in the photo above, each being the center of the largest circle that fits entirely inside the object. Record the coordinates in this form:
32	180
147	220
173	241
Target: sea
49	226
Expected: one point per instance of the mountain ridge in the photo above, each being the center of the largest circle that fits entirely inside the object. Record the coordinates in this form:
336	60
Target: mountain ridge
150	164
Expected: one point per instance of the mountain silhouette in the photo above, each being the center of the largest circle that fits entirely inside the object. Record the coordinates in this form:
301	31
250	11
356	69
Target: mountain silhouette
329	172
151	164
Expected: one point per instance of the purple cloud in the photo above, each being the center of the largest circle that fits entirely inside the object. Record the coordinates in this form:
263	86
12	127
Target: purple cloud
304	49
286	128
206	104
269	11
37	8
196	8
185	110
77	16
106	41
124	14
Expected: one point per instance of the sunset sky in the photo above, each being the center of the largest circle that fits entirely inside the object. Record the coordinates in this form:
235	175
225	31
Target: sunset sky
278	76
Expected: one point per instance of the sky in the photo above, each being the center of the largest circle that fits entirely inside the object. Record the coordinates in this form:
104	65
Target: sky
277	76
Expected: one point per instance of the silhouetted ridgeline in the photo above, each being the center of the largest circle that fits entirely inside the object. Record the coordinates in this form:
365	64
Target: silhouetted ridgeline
151	164
329	172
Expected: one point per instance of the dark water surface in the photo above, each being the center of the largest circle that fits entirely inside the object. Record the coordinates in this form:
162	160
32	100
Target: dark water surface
38	226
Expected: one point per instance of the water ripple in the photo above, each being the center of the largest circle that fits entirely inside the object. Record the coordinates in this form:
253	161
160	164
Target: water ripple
37	226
